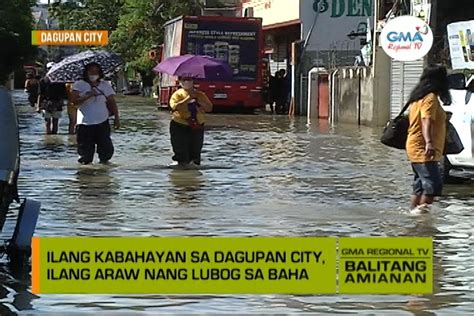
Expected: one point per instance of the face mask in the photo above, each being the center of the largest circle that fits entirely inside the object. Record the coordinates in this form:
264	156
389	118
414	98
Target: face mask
188	84
93	78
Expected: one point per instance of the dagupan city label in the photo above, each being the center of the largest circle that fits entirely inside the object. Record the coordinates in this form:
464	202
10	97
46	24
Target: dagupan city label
229	265
69	37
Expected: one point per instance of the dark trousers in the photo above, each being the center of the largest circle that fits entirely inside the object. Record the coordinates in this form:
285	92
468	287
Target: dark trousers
90	136
32	98
186	142
280	105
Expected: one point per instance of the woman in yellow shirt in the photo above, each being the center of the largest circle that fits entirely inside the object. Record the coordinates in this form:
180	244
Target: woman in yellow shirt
188	108
427	134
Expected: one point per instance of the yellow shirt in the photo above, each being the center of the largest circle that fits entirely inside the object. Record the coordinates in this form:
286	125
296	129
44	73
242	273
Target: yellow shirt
428	107
71	106
182	116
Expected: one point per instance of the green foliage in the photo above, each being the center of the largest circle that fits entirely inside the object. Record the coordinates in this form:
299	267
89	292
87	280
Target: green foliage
140	27
135	26
87	14
16	23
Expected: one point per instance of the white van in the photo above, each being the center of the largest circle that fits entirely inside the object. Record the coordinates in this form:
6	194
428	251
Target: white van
462	109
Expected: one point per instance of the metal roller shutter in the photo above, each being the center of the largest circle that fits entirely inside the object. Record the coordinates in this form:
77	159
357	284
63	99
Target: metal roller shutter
396	86
411	75
404	77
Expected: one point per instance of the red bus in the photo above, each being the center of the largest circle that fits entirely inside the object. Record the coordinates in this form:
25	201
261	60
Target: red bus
239	41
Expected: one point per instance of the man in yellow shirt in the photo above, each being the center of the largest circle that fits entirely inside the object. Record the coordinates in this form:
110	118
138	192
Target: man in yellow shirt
427	134
188	107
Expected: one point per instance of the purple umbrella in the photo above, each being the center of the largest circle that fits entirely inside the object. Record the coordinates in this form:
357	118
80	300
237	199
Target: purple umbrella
195	66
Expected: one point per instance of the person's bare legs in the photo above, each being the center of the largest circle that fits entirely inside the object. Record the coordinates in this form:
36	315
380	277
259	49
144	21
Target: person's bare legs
48	125
415	201
72	128
427	199
55	126
72	113
427	184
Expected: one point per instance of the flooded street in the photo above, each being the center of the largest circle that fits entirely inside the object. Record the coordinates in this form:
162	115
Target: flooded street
262	175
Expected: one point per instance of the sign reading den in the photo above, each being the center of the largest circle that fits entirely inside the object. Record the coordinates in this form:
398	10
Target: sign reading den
406	38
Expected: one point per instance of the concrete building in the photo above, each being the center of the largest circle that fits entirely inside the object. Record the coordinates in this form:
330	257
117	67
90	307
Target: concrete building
334	33
372	95
221	8
300	36
281	27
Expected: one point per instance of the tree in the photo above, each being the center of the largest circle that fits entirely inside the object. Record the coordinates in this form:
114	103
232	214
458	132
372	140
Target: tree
16	22
87	14
135	26
140	27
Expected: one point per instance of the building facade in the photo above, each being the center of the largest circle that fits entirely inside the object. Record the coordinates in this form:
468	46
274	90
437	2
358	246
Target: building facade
382	94
281	27
221	8
335	30
438	14
334	34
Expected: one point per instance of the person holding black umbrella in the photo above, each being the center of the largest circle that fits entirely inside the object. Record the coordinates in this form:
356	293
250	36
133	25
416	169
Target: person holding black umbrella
95	99
51	101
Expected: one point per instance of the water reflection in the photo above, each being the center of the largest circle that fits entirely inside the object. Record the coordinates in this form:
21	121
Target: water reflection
97	192
15	282
187	187
262	175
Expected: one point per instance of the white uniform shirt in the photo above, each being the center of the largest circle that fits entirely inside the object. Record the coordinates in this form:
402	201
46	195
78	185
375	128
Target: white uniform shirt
94	110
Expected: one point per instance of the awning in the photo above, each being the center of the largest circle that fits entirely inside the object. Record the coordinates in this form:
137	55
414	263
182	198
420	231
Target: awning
281	25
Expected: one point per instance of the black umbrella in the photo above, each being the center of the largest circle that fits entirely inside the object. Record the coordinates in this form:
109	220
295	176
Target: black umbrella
71	68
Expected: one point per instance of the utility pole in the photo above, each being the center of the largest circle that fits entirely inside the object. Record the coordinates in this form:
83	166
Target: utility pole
48	26
374	35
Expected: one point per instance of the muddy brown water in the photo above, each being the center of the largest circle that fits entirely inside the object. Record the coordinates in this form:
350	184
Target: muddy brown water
263	175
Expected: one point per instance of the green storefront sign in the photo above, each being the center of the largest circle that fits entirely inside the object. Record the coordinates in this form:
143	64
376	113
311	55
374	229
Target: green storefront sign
342	8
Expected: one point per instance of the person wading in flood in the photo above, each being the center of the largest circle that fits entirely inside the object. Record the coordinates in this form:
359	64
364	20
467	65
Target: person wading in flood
427	134
51	101
32	88
273	90
188	107
95	98
283	91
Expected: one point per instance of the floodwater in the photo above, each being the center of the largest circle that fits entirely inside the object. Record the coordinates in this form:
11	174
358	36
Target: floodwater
264	175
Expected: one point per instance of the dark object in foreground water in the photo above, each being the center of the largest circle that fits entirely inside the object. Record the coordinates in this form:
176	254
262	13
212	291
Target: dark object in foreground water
9	154
19	247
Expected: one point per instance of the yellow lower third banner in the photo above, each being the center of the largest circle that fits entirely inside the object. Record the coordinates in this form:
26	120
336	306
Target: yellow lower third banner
184	265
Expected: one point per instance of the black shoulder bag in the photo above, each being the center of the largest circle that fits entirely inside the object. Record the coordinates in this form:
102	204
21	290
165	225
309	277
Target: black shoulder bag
110	108
395	132
453	145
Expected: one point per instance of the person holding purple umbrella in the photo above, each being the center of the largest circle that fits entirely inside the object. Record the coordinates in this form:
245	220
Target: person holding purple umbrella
188	107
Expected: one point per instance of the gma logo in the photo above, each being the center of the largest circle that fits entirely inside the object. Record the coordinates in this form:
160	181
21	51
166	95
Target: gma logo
404	37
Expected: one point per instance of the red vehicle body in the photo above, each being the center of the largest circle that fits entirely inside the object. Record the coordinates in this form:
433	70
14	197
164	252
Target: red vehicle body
239	41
